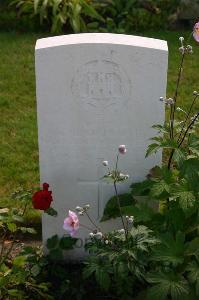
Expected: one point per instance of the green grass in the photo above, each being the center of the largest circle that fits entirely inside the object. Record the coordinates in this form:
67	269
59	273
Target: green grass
18	129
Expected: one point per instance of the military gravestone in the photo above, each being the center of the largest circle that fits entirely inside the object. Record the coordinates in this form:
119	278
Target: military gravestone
95	92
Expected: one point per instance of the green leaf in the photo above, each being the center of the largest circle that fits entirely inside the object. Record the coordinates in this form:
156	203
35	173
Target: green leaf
142	188
192	247
35	270
52	242
167	285
111	209
89	10
170	250
152	148
19	261
12	227
190	170
103	278
182	192
28	230
160	189
141	212
56	254
67	243
161	128
51	212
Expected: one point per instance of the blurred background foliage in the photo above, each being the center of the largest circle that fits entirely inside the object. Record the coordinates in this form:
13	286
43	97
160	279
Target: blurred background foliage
119	16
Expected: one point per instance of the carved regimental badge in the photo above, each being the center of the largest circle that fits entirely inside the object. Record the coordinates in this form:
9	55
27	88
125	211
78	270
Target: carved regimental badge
101	83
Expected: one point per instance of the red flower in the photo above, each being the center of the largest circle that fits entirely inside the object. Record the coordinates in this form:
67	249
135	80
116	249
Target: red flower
43	198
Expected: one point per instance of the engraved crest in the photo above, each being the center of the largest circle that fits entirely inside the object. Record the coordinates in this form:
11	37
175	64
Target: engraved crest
100	83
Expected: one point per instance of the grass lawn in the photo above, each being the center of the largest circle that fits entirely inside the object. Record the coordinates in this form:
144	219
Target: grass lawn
18	129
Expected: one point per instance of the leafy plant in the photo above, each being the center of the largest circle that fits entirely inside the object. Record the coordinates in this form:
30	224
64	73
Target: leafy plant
167	202
58	14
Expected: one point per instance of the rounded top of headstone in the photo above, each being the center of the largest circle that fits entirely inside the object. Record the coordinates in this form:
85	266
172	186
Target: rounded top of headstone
101	38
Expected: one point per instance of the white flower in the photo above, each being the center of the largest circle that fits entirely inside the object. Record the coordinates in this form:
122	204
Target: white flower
131	219
80	213
105	163
106	242
195	93
121	231
91	234
99	235
181	39
161	99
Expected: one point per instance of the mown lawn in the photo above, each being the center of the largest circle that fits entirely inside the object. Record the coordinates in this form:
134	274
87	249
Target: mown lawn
18	129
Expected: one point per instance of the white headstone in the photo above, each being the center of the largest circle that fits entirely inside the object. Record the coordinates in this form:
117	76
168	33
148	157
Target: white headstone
94	92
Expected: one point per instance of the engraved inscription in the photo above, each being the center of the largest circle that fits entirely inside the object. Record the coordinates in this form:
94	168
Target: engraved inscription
100	83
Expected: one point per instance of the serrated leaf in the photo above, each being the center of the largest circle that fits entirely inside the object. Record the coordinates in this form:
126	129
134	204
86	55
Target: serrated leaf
67	243
168	285
152	148
141	188
103	278
52	242
35	270
51	212
111	209
192	247
19	261
170	250
159	189
12	227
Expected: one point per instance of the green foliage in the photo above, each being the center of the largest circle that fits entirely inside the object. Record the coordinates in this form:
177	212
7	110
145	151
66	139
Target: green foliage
57	246
123	16
111	209
58	14
117	261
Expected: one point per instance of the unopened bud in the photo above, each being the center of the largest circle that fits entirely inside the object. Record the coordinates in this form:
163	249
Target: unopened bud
105	163
87	206
195	93
79	208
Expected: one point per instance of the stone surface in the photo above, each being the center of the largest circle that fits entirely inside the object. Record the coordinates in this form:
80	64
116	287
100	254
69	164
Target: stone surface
95	92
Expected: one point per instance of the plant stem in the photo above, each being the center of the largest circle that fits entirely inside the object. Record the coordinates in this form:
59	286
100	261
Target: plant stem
120	211
187	116
182	140
188	127
92	221
173	107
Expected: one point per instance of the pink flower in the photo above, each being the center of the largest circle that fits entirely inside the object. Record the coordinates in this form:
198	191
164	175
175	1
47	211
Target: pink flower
122	149
71	223
196	32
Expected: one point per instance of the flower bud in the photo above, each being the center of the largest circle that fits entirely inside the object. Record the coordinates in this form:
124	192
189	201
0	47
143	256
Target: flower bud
105	163
161	99
87	206
195	93
79	208
122	149
80	213
91	234
106	242
181	39
181	49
